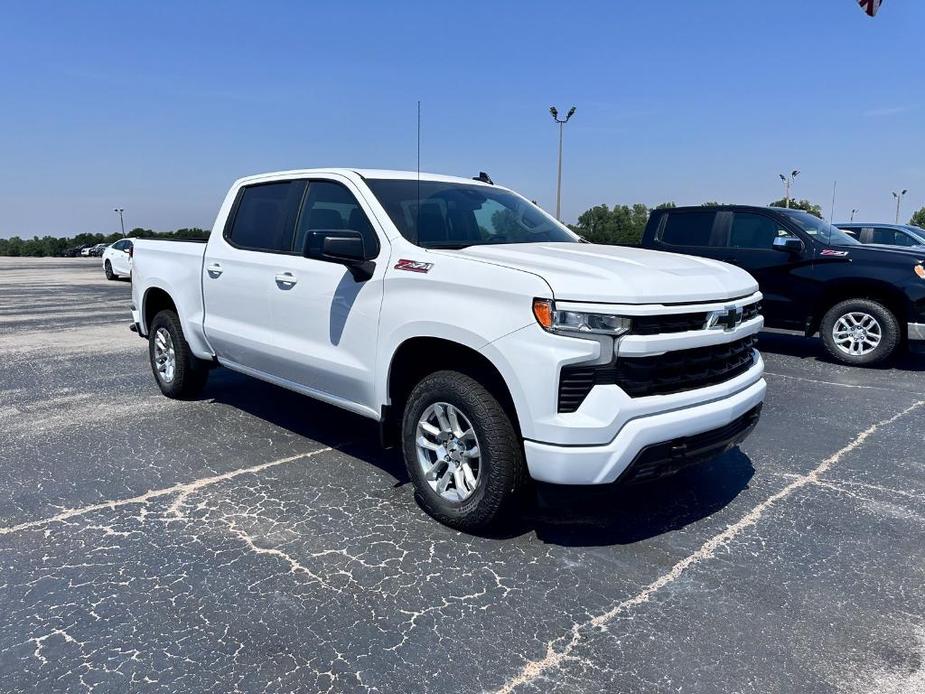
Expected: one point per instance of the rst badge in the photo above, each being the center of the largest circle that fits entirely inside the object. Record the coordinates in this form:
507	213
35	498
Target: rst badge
413	265
726	319
832	251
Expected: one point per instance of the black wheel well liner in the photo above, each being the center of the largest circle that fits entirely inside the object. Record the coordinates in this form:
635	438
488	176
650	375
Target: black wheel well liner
156	300
417	357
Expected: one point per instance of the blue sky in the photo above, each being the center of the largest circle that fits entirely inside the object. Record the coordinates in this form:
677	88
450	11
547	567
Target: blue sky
157	107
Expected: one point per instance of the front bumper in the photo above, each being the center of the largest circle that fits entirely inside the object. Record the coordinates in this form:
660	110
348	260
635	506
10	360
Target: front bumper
562	464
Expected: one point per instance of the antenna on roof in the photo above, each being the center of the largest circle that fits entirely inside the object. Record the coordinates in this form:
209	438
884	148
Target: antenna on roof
417	214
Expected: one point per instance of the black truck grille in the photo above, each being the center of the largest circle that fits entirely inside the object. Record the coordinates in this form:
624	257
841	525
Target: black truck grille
672	372
682	322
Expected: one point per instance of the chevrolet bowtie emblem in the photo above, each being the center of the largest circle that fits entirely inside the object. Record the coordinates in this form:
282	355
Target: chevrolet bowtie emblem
725	319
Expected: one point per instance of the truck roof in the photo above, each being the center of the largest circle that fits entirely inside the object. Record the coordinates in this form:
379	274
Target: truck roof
364	173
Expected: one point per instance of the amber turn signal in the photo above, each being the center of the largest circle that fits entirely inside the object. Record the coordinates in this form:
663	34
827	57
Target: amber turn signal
543	312
919	270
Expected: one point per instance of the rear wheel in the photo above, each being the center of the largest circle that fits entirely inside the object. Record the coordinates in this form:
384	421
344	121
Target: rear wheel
461	450
860	332
178	372
109	273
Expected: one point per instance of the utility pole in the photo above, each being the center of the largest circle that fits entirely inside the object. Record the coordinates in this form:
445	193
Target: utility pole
555	116
788	181
899	198
119	211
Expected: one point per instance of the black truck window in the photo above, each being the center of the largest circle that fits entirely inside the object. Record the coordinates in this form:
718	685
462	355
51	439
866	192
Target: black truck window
688	228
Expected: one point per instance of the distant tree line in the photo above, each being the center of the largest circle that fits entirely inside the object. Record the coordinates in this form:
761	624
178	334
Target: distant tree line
56	246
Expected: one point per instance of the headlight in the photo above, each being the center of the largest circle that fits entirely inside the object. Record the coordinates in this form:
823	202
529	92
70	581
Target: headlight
578	322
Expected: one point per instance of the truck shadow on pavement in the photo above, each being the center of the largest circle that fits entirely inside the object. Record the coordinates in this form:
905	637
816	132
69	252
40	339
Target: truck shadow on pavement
802	347
568	516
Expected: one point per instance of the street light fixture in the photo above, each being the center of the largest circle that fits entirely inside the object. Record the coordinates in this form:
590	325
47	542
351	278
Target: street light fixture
119	211
788	181
899	198
853	212
555	116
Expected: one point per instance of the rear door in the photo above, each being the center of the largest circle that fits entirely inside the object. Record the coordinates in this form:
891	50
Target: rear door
239	269
785	278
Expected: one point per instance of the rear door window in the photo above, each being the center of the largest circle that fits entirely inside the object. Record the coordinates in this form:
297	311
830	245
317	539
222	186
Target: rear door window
688	228
264	217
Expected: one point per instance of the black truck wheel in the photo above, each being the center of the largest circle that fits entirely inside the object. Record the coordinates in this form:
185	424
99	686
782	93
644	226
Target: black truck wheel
860	332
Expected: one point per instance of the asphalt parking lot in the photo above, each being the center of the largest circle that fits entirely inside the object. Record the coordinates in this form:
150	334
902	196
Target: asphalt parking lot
254	540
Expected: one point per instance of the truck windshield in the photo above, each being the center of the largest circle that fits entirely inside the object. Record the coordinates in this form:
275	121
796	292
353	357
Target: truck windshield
821	229
434	214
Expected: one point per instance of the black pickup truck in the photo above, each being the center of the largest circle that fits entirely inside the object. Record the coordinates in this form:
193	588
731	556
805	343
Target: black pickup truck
866	302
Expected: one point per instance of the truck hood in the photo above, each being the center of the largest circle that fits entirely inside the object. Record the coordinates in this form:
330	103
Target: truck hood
617	274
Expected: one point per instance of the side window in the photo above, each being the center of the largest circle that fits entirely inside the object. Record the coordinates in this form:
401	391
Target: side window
330	205
892	237
754	231
119	245
688	228
265	216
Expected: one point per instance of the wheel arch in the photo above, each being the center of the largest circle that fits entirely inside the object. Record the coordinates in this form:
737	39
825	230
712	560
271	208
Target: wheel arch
418	356
875	290
155	300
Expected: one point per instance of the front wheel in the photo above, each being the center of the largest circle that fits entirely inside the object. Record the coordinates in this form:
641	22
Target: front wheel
178	372
860	332
461	450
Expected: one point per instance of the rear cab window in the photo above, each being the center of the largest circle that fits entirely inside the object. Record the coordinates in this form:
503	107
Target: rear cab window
264	216
687	228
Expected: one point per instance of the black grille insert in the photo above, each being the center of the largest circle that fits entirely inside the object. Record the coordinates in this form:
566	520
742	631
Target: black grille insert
682	322
672	372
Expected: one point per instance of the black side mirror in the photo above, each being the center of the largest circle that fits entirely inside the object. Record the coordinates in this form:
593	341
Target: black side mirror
343	246
788	244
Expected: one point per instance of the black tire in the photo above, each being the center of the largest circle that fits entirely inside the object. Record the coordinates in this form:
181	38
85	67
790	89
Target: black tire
109	273
190	373
501	468
890	331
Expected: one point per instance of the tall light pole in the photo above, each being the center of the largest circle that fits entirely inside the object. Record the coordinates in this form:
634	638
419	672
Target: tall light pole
788	181
899	198
853	212
555	116
120	210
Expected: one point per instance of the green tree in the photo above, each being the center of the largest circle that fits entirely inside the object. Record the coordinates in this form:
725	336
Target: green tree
918	218
621	224
665	205
806	205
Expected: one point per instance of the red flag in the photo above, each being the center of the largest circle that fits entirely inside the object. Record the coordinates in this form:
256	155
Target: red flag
870	6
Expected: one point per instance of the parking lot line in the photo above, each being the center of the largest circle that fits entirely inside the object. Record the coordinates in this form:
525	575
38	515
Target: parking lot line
826	383
554	658
183	490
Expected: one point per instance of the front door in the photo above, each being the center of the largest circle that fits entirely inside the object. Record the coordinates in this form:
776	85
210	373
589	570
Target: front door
784	278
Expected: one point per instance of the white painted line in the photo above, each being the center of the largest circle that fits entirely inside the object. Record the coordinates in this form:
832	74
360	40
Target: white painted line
184	490
827	383
554	658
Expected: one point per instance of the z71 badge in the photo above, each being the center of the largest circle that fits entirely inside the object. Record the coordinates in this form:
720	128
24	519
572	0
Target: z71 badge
832	251
413	265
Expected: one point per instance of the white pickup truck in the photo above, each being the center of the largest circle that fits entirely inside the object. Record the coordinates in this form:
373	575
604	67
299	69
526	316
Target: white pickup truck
488	340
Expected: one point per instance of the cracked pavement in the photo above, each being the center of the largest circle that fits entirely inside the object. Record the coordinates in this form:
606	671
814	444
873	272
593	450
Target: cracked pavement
254	540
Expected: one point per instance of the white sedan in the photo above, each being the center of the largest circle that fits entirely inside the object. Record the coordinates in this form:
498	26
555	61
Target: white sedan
117	259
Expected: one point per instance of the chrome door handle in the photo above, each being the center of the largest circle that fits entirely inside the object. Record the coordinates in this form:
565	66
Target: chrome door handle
214	270
286	280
